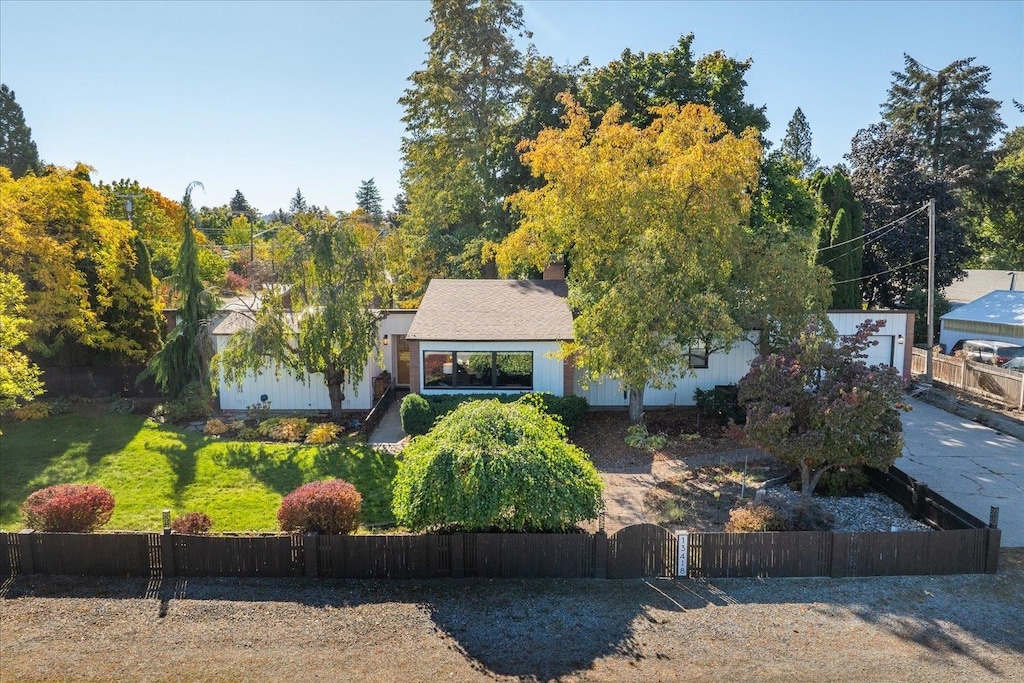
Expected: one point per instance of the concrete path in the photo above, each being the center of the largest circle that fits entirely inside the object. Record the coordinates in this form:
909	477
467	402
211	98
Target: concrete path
388	433
972	465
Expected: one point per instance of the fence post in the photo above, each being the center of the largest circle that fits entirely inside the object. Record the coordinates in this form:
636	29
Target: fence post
311	554
458	556
28	565
919	493
993	517
995	537
600	555
167	553
963	373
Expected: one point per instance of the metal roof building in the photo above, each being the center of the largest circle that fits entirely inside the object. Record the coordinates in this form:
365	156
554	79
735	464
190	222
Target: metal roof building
998	316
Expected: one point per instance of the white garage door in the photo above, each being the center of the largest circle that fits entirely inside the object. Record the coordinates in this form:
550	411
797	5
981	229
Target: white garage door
880	353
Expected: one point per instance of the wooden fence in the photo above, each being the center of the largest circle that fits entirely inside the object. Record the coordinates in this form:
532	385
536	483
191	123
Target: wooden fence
988	381
962	544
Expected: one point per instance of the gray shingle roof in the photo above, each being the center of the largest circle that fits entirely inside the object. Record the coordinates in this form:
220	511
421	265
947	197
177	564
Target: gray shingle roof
978	283
493	310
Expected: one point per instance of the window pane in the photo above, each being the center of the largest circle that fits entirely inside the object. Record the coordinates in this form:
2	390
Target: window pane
474	369
437	369
515	370
698	356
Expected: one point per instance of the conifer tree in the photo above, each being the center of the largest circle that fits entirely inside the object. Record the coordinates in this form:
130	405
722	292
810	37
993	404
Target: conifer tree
840	236
797	143
17	150
369	200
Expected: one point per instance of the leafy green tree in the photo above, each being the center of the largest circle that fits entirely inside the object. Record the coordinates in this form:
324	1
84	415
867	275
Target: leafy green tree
18	151
332	271
817	406
184	358
493	466
19	378
638	81
948	113
891	178
368	199
89	302
840	241
459	110
777	295
1000	208
797	144
652	221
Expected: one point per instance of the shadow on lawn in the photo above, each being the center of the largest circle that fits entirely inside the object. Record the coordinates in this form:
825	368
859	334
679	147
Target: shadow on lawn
57	450
275	468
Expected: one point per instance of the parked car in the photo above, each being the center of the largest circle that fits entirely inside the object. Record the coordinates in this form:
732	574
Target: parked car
1015	364
986	351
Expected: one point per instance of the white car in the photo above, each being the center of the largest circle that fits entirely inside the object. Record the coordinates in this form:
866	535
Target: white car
986	351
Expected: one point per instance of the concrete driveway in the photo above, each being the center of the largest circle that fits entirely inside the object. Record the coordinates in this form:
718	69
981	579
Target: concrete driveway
974	466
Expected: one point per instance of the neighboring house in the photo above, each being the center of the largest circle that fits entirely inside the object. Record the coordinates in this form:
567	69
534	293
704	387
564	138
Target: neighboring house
978	283
997	316
502	336
286	392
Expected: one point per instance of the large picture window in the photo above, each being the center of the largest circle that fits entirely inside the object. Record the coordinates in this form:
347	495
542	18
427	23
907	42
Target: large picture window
478	370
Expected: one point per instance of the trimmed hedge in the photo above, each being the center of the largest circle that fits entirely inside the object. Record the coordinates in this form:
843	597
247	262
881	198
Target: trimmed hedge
420	413
327	507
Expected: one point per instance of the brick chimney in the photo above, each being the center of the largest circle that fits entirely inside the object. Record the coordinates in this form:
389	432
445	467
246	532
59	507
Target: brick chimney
555	270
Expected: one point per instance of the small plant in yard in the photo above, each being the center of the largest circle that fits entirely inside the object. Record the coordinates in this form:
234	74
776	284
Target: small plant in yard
36	410
194	523
194	403
215	427
122	406
258	412
248	434
323	433
843	481
637	436
754	517
327	507
284	428
417	418
68	507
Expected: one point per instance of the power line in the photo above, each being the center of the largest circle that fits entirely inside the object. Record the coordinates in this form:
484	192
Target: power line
871	232
875	274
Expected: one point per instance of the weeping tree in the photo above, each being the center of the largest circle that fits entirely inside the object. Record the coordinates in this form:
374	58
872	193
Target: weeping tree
183	359
321	317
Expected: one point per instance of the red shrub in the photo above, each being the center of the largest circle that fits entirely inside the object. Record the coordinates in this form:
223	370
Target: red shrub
329	507
68	507
195	523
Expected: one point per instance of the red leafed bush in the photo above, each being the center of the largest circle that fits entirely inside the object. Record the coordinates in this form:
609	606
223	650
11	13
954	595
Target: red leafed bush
328	507
195	523
68	507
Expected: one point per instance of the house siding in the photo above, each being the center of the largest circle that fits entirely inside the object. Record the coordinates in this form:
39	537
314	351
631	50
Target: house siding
888	350
724	367
547	371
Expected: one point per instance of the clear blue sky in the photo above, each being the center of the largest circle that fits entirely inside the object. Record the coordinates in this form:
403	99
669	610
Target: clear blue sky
267	97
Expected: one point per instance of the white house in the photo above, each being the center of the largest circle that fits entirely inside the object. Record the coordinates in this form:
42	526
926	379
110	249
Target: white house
502	336
287	392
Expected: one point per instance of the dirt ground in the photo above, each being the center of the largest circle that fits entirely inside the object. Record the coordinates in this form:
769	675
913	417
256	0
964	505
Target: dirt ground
962	628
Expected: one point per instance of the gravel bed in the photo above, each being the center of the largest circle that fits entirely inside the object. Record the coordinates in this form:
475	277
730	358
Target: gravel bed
957	628
871	512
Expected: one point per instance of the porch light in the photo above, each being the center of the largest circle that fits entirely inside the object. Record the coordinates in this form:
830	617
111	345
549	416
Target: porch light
386	340
899	339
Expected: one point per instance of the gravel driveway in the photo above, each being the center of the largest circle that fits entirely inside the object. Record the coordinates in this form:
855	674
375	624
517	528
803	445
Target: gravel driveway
964	628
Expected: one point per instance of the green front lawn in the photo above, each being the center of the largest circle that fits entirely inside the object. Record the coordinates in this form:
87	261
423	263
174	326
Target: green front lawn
149	467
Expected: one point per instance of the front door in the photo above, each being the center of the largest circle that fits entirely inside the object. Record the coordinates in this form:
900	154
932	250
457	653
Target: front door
401	360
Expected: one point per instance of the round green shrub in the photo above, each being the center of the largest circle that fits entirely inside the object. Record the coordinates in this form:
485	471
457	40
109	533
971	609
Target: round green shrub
495	466
327	507
68	507
417	417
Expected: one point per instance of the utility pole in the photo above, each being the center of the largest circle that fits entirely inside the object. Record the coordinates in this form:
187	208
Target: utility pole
931	288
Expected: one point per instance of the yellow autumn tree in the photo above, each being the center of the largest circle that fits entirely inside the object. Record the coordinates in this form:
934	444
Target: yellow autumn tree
652	222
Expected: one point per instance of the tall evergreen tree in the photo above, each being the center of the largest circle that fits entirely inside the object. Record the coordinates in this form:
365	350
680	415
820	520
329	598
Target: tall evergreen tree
948	112
298	204
458	112
369	200
797	143
17	150
239	205
840	236
184	358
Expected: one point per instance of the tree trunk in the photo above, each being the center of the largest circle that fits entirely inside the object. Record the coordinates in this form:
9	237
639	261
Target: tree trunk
335	390
636	405
809	480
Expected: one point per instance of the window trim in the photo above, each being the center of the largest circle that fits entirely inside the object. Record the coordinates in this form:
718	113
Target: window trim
706	355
